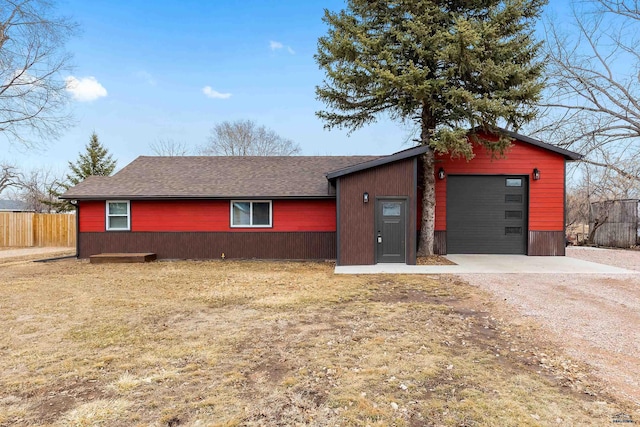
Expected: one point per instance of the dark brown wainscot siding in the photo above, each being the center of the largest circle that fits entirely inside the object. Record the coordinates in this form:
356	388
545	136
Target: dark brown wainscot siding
211	245
546	243
440	242
357	218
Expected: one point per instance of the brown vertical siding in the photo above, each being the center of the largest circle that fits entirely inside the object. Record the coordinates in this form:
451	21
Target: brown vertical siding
546	243
440	242
206	245
356	228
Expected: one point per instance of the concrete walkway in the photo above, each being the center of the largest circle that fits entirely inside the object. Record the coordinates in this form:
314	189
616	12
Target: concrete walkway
492	264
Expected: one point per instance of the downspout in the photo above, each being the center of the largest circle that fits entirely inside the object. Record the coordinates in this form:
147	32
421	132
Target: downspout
338	252
77	205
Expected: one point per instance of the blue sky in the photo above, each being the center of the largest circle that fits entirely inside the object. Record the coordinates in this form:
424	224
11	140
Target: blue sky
175	69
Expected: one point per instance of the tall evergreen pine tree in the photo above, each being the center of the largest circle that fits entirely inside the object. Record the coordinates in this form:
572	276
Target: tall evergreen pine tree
458	68
96	160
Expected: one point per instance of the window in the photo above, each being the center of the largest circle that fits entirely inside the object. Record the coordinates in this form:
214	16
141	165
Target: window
118	215
251	213
391	209
514	182
513	198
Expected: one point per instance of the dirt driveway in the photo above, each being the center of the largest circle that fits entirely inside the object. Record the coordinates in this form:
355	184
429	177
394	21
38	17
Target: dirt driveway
595	317
11	255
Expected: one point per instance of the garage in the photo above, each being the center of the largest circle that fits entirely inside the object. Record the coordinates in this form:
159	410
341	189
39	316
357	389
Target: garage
487	214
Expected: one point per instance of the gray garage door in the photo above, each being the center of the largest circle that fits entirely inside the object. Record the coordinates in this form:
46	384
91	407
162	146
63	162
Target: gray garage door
487	214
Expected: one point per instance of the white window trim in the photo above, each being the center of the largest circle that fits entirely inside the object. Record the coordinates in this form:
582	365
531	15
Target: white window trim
232	225
107	215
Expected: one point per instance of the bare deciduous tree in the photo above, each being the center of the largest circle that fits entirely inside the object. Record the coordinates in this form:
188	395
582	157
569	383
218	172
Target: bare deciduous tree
630	9
9	176
169	148
245	138
32	60
593	97
39	189
577	207
597	184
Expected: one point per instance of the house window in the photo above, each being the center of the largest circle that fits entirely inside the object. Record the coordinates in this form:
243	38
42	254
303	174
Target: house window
247	213
118	215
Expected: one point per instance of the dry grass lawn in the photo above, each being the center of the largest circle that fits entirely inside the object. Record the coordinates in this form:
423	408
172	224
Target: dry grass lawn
256	343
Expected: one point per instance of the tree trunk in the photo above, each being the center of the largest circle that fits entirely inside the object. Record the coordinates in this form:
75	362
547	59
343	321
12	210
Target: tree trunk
596	224
427	222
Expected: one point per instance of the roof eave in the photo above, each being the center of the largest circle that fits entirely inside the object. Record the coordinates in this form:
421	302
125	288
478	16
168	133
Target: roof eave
568	155
405	154
190	197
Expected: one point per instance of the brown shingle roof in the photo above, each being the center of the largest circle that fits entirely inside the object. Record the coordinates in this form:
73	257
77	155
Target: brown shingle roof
217	177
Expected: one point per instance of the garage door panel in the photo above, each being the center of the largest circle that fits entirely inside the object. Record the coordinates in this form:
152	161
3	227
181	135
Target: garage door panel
486	214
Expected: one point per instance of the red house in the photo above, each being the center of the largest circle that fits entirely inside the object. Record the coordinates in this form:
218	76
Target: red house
355	209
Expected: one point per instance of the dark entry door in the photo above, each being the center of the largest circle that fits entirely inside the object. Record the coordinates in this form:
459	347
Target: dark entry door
390	230
487	214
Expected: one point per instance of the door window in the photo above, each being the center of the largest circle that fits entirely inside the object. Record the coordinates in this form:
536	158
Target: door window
391	208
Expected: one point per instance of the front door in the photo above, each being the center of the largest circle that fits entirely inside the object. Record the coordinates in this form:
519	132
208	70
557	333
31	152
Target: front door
390	230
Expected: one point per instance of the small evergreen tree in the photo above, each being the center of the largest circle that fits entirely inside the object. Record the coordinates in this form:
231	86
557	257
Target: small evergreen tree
96	160
458	68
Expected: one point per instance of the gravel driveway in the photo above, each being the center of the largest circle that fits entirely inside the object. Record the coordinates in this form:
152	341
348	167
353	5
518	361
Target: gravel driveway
596	317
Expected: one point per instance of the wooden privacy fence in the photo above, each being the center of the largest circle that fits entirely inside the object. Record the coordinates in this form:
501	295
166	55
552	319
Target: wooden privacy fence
619	221
26	229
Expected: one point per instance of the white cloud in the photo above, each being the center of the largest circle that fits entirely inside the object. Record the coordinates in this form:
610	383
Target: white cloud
85	89
275	45
210	93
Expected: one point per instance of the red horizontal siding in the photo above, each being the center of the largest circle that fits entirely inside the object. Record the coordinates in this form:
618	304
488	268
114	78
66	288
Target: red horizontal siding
212	215
179	215
546	196
304	215
92	216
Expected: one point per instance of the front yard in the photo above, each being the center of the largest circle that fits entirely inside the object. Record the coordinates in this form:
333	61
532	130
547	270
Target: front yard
256	343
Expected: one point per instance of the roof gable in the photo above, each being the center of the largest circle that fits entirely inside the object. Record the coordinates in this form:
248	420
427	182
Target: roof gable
400	155
419	150
568	155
